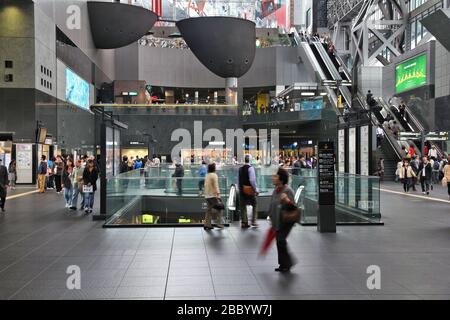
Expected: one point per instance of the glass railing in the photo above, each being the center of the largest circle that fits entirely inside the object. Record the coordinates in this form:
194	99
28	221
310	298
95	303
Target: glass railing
134	199
152	196
357	199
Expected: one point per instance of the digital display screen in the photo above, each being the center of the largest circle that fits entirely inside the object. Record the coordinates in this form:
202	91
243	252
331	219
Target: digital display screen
411	74
77	90
312	104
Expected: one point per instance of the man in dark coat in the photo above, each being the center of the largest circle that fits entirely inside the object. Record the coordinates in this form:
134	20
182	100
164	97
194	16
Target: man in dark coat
3	185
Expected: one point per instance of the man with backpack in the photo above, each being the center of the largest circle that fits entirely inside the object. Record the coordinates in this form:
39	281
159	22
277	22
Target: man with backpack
435	172
248	191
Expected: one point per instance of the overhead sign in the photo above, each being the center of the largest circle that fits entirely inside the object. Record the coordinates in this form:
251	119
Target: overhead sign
431	136
437	136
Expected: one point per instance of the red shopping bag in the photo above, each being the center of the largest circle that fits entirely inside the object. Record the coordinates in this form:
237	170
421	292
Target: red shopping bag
271	234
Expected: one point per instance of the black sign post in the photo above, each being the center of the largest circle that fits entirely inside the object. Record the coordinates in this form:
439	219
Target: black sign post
326	219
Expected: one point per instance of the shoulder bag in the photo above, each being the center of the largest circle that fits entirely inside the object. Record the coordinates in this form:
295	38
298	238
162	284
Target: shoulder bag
248	190
219	204
290	213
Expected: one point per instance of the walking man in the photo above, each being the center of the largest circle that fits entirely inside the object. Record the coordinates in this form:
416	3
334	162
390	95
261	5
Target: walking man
248	191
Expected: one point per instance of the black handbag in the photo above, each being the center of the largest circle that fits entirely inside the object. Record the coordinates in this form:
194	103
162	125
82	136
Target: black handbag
219	204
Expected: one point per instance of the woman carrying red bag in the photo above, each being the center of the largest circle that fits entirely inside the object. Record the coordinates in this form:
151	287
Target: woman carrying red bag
283	214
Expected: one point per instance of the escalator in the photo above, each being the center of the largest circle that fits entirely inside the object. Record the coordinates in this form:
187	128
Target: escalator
331	67
390	149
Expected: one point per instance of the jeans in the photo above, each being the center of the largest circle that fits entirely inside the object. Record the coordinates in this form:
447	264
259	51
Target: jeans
425	184
435	177
75	194
179	187
89	200
201	185
68	195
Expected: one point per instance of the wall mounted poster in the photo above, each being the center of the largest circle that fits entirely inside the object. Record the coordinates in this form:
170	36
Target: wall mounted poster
364	150
352	150
24	158
341	150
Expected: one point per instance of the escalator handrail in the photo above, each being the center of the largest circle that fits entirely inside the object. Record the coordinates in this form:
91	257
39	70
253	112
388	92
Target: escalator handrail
332	70
232	195
374	121
420	128
414	119
299	194
342	64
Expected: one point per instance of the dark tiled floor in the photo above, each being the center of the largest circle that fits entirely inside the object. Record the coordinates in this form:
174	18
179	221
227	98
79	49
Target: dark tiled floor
39	239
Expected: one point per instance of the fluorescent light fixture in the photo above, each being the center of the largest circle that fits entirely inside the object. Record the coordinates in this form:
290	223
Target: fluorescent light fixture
216	143
133	93
323	93
125	93
309	94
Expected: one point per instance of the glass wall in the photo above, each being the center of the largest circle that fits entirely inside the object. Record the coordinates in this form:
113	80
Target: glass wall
416	31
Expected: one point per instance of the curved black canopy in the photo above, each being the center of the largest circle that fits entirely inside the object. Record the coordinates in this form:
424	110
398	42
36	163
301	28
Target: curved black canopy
115	25
225	45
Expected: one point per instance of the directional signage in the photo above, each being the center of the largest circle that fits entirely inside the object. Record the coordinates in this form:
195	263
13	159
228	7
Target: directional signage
437	136
431	136
326	173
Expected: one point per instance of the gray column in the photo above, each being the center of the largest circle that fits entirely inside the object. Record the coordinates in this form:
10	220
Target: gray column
231	91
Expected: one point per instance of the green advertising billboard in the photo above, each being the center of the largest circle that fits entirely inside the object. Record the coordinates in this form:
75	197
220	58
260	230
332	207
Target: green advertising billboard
411	74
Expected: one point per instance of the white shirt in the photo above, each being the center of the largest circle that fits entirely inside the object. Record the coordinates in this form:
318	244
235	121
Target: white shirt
380	132
432	153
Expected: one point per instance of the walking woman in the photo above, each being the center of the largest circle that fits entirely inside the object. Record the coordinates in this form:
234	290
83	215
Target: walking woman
59	167
90	176
12	174
447	175
282	197
67	181
406	175
212	196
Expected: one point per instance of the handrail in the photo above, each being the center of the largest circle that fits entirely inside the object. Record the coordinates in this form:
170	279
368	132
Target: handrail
300	195
232	196
332	69
342	64
374	121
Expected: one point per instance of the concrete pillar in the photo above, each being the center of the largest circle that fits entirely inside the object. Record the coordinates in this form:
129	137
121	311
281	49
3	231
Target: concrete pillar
231	91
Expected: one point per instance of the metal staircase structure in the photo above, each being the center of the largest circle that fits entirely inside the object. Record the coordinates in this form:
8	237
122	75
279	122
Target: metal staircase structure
373	26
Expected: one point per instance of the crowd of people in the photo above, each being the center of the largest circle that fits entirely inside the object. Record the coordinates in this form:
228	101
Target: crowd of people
158	42
72	178
427	171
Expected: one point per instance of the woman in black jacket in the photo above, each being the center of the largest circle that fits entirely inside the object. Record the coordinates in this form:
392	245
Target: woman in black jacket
90	176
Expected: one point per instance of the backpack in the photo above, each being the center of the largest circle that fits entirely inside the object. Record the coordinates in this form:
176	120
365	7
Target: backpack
436	166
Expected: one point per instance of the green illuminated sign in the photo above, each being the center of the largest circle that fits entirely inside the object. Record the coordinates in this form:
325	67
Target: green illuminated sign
411	74
147	218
